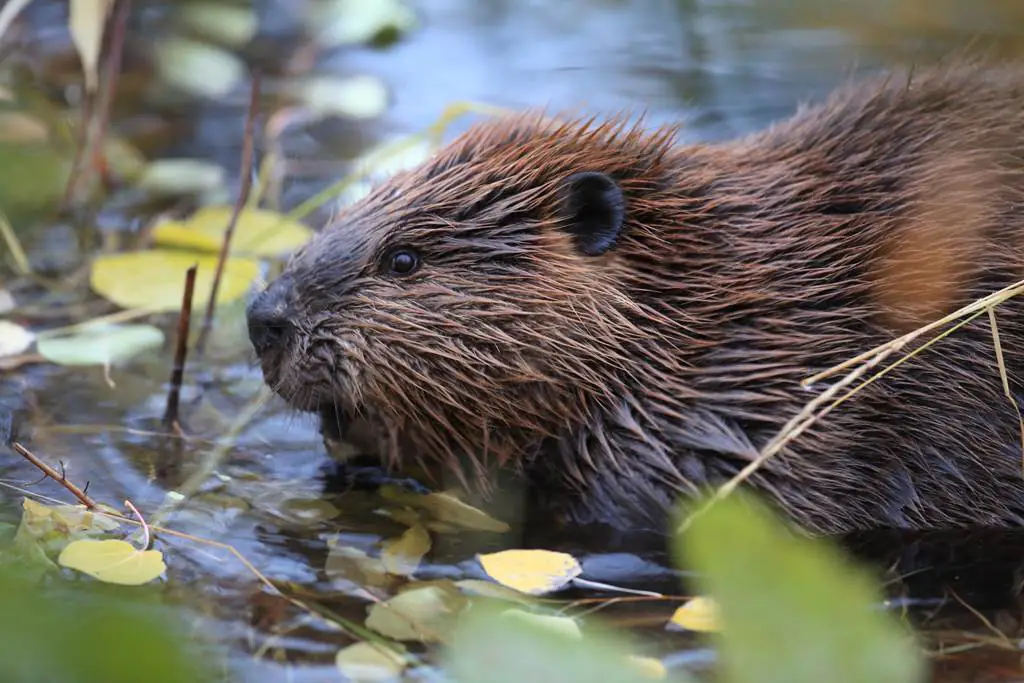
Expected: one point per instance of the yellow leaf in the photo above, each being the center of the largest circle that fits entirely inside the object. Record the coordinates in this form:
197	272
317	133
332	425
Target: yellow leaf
86	22
446	508
369	662
425	614
699	614
649	667
531	571
401	556
258	232
154	279
113	561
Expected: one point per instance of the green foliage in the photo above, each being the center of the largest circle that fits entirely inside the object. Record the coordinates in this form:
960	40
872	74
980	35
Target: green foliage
82	633
793	609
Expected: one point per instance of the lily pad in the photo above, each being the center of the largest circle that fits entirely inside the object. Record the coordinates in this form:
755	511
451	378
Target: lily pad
154	279
369	662
113	561
534	572
100	344
258	232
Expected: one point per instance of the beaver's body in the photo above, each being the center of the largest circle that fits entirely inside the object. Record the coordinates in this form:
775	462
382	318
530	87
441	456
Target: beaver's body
629	321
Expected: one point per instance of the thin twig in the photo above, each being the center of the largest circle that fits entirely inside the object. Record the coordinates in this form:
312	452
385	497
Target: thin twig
181	350
55	475
243	195
142	520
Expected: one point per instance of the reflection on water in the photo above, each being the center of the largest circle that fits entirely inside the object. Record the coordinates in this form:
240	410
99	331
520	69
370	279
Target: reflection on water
723	67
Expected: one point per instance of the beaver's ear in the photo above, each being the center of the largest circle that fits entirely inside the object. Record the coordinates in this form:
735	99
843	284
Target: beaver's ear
594	211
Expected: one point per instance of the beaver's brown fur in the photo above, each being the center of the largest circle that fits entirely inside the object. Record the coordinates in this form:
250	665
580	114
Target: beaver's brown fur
629	321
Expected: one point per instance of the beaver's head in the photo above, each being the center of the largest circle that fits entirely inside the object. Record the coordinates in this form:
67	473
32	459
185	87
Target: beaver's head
472	306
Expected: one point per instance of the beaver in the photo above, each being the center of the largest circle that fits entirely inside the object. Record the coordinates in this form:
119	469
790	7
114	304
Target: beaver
624	320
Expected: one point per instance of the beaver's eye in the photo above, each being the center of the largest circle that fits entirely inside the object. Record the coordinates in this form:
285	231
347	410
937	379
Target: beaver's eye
403	262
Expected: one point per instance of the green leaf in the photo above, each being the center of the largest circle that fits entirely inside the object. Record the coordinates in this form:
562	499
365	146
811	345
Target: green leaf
424	614
85	632
401	556
113	561
233	26
198	68
257	232
490	647
793	610
180	177
154	279
100	344
357	97
369	662
347	22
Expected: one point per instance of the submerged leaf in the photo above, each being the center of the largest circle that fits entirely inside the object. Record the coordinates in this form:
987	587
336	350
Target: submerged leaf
100	344
422	614
154	279
113	561
698	614
794	610
402	556
446	508
258	232
369	662
534	572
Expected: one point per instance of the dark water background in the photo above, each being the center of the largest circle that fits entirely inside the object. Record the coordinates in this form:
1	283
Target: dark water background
725	68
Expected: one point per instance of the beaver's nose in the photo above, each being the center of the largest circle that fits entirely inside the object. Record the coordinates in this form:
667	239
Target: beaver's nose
269	318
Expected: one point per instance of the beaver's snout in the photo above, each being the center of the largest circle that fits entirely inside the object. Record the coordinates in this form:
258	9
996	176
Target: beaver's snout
270	318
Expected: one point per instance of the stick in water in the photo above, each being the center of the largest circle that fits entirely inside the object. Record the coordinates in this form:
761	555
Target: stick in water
180	351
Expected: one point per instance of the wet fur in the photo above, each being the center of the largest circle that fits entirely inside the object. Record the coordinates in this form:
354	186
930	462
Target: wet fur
621	381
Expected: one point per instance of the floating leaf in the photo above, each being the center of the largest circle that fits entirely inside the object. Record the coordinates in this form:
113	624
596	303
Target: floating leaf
563	626
154	279
14	338
445	508
495	591
347	22
424	614
199	68
257	232
402	556
233	26
698	614
369	662
358	97
100	344
113	561
794	610
534	572
86	21
181	176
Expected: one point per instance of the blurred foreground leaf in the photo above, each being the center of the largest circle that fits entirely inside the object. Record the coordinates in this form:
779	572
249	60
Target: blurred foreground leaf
86	22
83	634
793	610
32	178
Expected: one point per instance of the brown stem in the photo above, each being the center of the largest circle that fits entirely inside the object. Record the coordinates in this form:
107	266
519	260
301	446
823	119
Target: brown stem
55	475
243	196
113	71
181	350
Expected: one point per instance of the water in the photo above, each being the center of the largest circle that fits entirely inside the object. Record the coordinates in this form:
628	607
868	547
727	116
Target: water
725	68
